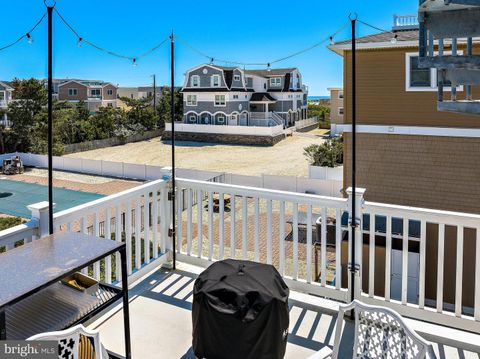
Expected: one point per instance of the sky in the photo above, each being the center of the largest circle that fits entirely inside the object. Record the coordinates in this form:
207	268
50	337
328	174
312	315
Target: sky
247	31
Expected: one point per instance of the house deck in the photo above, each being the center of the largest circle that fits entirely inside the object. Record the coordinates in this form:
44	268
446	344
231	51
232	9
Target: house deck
160	319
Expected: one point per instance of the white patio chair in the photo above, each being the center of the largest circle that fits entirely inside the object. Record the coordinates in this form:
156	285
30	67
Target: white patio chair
76	342
379	333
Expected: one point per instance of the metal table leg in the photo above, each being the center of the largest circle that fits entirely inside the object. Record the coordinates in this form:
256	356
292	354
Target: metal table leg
126	314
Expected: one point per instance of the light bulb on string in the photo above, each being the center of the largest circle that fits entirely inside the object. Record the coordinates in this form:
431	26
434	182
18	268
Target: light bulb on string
134	62
394	39
79	42
268	67
29	38
211	61
331	41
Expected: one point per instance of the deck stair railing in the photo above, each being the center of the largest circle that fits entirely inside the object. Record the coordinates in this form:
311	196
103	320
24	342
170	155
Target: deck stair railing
446	33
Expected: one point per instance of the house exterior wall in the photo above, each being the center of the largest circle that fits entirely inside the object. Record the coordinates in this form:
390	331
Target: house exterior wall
205	79
382	98
335	104
237	84
421	171
106	96
82	92
209	106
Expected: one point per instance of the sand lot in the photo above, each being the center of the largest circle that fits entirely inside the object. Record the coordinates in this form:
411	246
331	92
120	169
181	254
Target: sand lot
285	158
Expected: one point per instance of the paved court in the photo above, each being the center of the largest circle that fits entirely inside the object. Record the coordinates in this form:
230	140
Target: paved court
15	196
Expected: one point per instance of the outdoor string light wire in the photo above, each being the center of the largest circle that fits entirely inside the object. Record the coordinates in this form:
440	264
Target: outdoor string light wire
28	34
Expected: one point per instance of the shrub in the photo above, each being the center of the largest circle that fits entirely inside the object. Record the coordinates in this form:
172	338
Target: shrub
8	222
327	154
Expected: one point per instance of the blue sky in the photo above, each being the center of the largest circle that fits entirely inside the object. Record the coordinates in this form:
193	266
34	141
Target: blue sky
247	31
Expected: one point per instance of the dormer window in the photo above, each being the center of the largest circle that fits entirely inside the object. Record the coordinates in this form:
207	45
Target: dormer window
215	80
275	81
236	77
195	81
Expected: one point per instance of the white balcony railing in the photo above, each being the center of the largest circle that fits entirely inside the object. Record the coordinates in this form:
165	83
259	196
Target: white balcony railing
217	221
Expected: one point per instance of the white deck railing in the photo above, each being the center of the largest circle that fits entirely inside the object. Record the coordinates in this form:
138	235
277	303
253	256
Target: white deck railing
218	221
127	216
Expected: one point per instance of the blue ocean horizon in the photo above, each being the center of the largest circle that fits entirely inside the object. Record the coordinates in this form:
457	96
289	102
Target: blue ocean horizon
316	98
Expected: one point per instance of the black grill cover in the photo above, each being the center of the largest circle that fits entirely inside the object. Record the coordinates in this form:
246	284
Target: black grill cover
240	310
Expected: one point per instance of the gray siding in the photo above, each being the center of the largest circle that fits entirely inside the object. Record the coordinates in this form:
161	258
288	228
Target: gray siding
281	106
205	79
237	84
209	106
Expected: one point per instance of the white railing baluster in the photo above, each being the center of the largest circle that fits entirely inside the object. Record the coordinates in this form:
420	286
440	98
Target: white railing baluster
155	223
371	257
281	238
164	221
256	229
440	261
423	250
309	244
146	228
118	238
477	274
96	233
233	233
269	231
459	272
295	241
179	219
69	226
83	224
388	257
108	236
323	237
138	231
189	220
210	226
221	229
199	223
244	227
405	261
338	249
128	236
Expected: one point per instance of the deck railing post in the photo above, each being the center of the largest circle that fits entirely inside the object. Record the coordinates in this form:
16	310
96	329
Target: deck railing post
168	214
356	225
40	213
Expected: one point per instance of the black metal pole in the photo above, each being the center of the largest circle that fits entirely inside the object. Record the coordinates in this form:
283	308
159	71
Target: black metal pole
353	223
172	112
126	311
50	123
154	97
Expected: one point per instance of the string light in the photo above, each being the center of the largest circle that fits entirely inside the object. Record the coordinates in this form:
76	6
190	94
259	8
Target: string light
268	67
211	61
331	41
394	39
134	62
79	42
29	37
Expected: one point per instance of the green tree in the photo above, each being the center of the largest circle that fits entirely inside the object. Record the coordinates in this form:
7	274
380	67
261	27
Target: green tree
163	107
30	99
141	112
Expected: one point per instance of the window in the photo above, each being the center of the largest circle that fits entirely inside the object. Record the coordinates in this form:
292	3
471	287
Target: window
95	92
221	119
109	92
420	79
191	100
2	96
236	77
340	111
235	97
275	81
340	94
72	92
219	100
195	81
109	104
193	118
215	80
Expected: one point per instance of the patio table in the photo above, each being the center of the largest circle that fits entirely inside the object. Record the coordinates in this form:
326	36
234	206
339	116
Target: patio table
32	300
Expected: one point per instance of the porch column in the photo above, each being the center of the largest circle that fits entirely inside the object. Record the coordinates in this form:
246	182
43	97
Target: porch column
40	213
266	110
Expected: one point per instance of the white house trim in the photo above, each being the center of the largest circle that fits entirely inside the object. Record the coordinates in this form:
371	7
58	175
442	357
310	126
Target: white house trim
412	130
433	75
64	83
